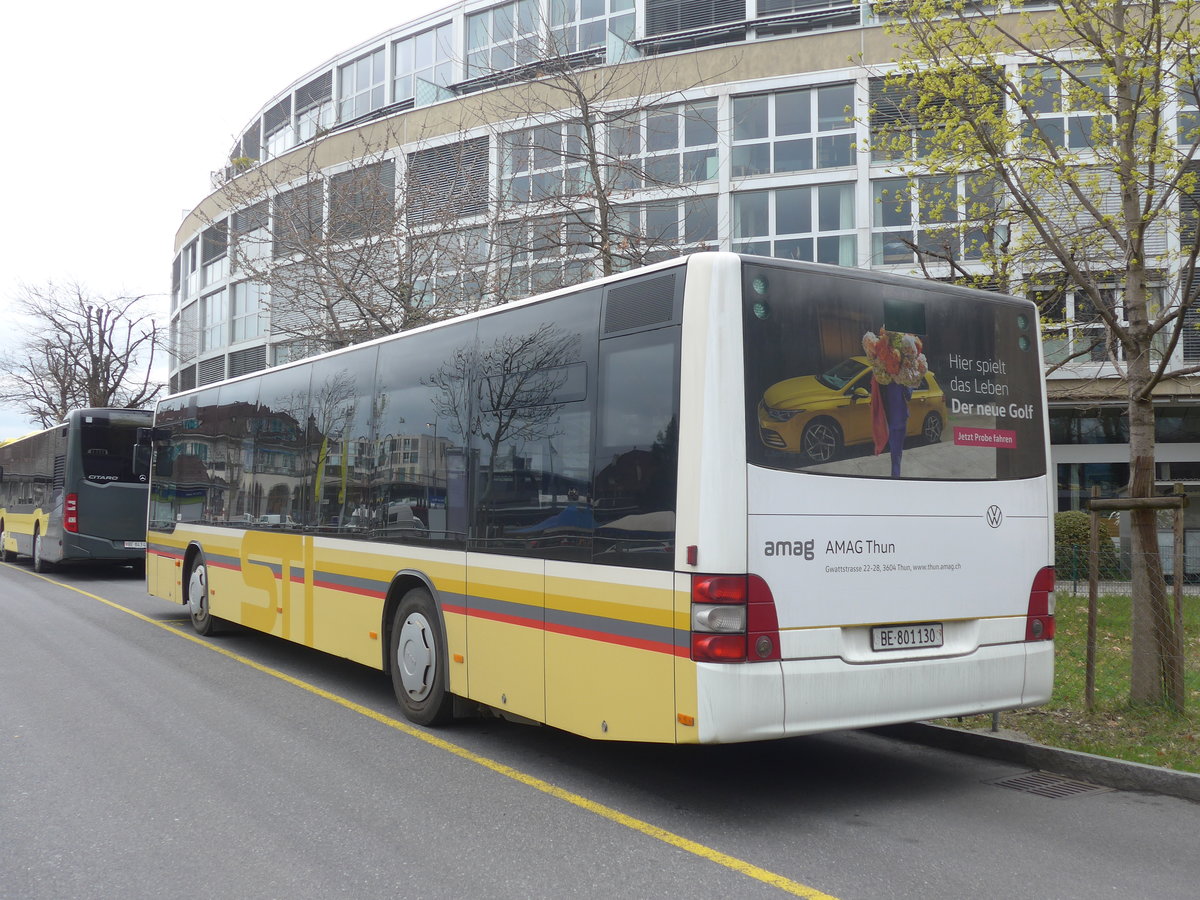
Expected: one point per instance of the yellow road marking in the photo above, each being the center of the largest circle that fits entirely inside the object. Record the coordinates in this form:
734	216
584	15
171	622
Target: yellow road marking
661	834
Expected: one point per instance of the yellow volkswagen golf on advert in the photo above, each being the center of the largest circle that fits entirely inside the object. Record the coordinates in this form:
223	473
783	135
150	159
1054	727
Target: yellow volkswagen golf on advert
817	416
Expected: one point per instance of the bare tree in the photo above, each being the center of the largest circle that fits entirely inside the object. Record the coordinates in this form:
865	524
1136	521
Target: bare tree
85	351
599	162
350	256
1067	112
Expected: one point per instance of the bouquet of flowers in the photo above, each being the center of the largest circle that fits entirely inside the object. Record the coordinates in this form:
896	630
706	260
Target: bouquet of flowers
895	356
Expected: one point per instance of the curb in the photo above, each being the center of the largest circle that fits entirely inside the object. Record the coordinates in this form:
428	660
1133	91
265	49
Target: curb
1101	770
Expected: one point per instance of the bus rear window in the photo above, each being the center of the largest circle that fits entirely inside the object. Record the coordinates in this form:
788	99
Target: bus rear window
106	452
880	378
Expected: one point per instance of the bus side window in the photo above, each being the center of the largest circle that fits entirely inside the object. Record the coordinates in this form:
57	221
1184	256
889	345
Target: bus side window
637	449
531	432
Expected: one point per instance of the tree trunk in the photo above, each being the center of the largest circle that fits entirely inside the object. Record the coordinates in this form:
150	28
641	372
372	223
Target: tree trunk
1151	622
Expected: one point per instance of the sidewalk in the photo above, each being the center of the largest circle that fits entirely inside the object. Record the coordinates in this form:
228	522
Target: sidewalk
1114	773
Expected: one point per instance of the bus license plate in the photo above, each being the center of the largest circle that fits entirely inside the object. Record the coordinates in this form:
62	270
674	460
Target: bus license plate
906	637
135	545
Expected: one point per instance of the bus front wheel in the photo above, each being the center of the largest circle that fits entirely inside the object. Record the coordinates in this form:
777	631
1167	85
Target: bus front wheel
6	554
197	598
418	660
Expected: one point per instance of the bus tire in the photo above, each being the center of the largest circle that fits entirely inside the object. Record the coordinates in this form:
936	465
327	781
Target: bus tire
5	554
418	660
39	563
821	440
196	597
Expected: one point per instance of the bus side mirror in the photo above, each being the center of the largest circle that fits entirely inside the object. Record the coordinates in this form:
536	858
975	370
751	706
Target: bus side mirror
147	437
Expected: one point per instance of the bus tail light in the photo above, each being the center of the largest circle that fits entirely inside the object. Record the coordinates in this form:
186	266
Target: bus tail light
1039	621
733	619
71	513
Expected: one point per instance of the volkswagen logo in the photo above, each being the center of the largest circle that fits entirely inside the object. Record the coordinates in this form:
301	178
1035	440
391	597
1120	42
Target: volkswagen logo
994	516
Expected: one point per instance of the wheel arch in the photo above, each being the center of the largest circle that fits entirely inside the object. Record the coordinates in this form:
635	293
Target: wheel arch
190	555
403	582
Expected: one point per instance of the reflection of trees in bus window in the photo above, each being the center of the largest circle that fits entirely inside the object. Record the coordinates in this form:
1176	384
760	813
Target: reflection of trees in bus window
418	491
199	470
233	450
282	471
342	440
531	429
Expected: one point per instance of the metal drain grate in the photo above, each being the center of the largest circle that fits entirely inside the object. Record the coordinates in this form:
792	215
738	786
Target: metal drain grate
1046	785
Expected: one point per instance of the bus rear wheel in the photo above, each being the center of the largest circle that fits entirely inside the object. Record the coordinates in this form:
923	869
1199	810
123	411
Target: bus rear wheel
203	620
418	660
5	554
39	563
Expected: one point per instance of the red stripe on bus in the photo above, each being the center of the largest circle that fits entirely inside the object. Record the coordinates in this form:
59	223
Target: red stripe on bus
610	638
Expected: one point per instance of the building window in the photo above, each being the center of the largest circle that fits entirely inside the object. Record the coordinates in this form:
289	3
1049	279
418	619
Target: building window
251	236
665	228
247	306
666	146
450	181
423	62
547	252
542	163
913	217
362	201
214	256
278	135
667	16
1064	107
214	314
1191	335
1075	482
187	332
502	37
793	131
298	217
190	271
1072	329
585	24
809	223
1189	114
361	86
1105	425
314	106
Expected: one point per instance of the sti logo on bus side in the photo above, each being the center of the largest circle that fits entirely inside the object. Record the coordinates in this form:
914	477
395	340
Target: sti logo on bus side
790	548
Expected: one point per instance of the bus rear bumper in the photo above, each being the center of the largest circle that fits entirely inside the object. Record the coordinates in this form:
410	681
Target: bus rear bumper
88	548
757	701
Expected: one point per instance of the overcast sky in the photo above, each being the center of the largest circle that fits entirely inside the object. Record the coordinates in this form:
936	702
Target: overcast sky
118	112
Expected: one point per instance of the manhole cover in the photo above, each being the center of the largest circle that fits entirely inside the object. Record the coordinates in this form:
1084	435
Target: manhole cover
1046	785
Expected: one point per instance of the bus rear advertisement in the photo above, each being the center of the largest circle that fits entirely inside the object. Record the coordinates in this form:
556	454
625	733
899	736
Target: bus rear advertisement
71	493
718	499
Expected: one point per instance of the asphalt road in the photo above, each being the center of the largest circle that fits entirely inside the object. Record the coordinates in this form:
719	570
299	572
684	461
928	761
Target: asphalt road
137	760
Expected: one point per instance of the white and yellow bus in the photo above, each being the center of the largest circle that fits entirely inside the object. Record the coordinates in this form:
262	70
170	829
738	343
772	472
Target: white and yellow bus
718	499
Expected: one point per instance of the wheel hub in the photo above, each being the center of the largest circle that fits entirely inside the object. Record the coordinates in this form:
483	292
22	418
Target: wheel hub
415	656
197	593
